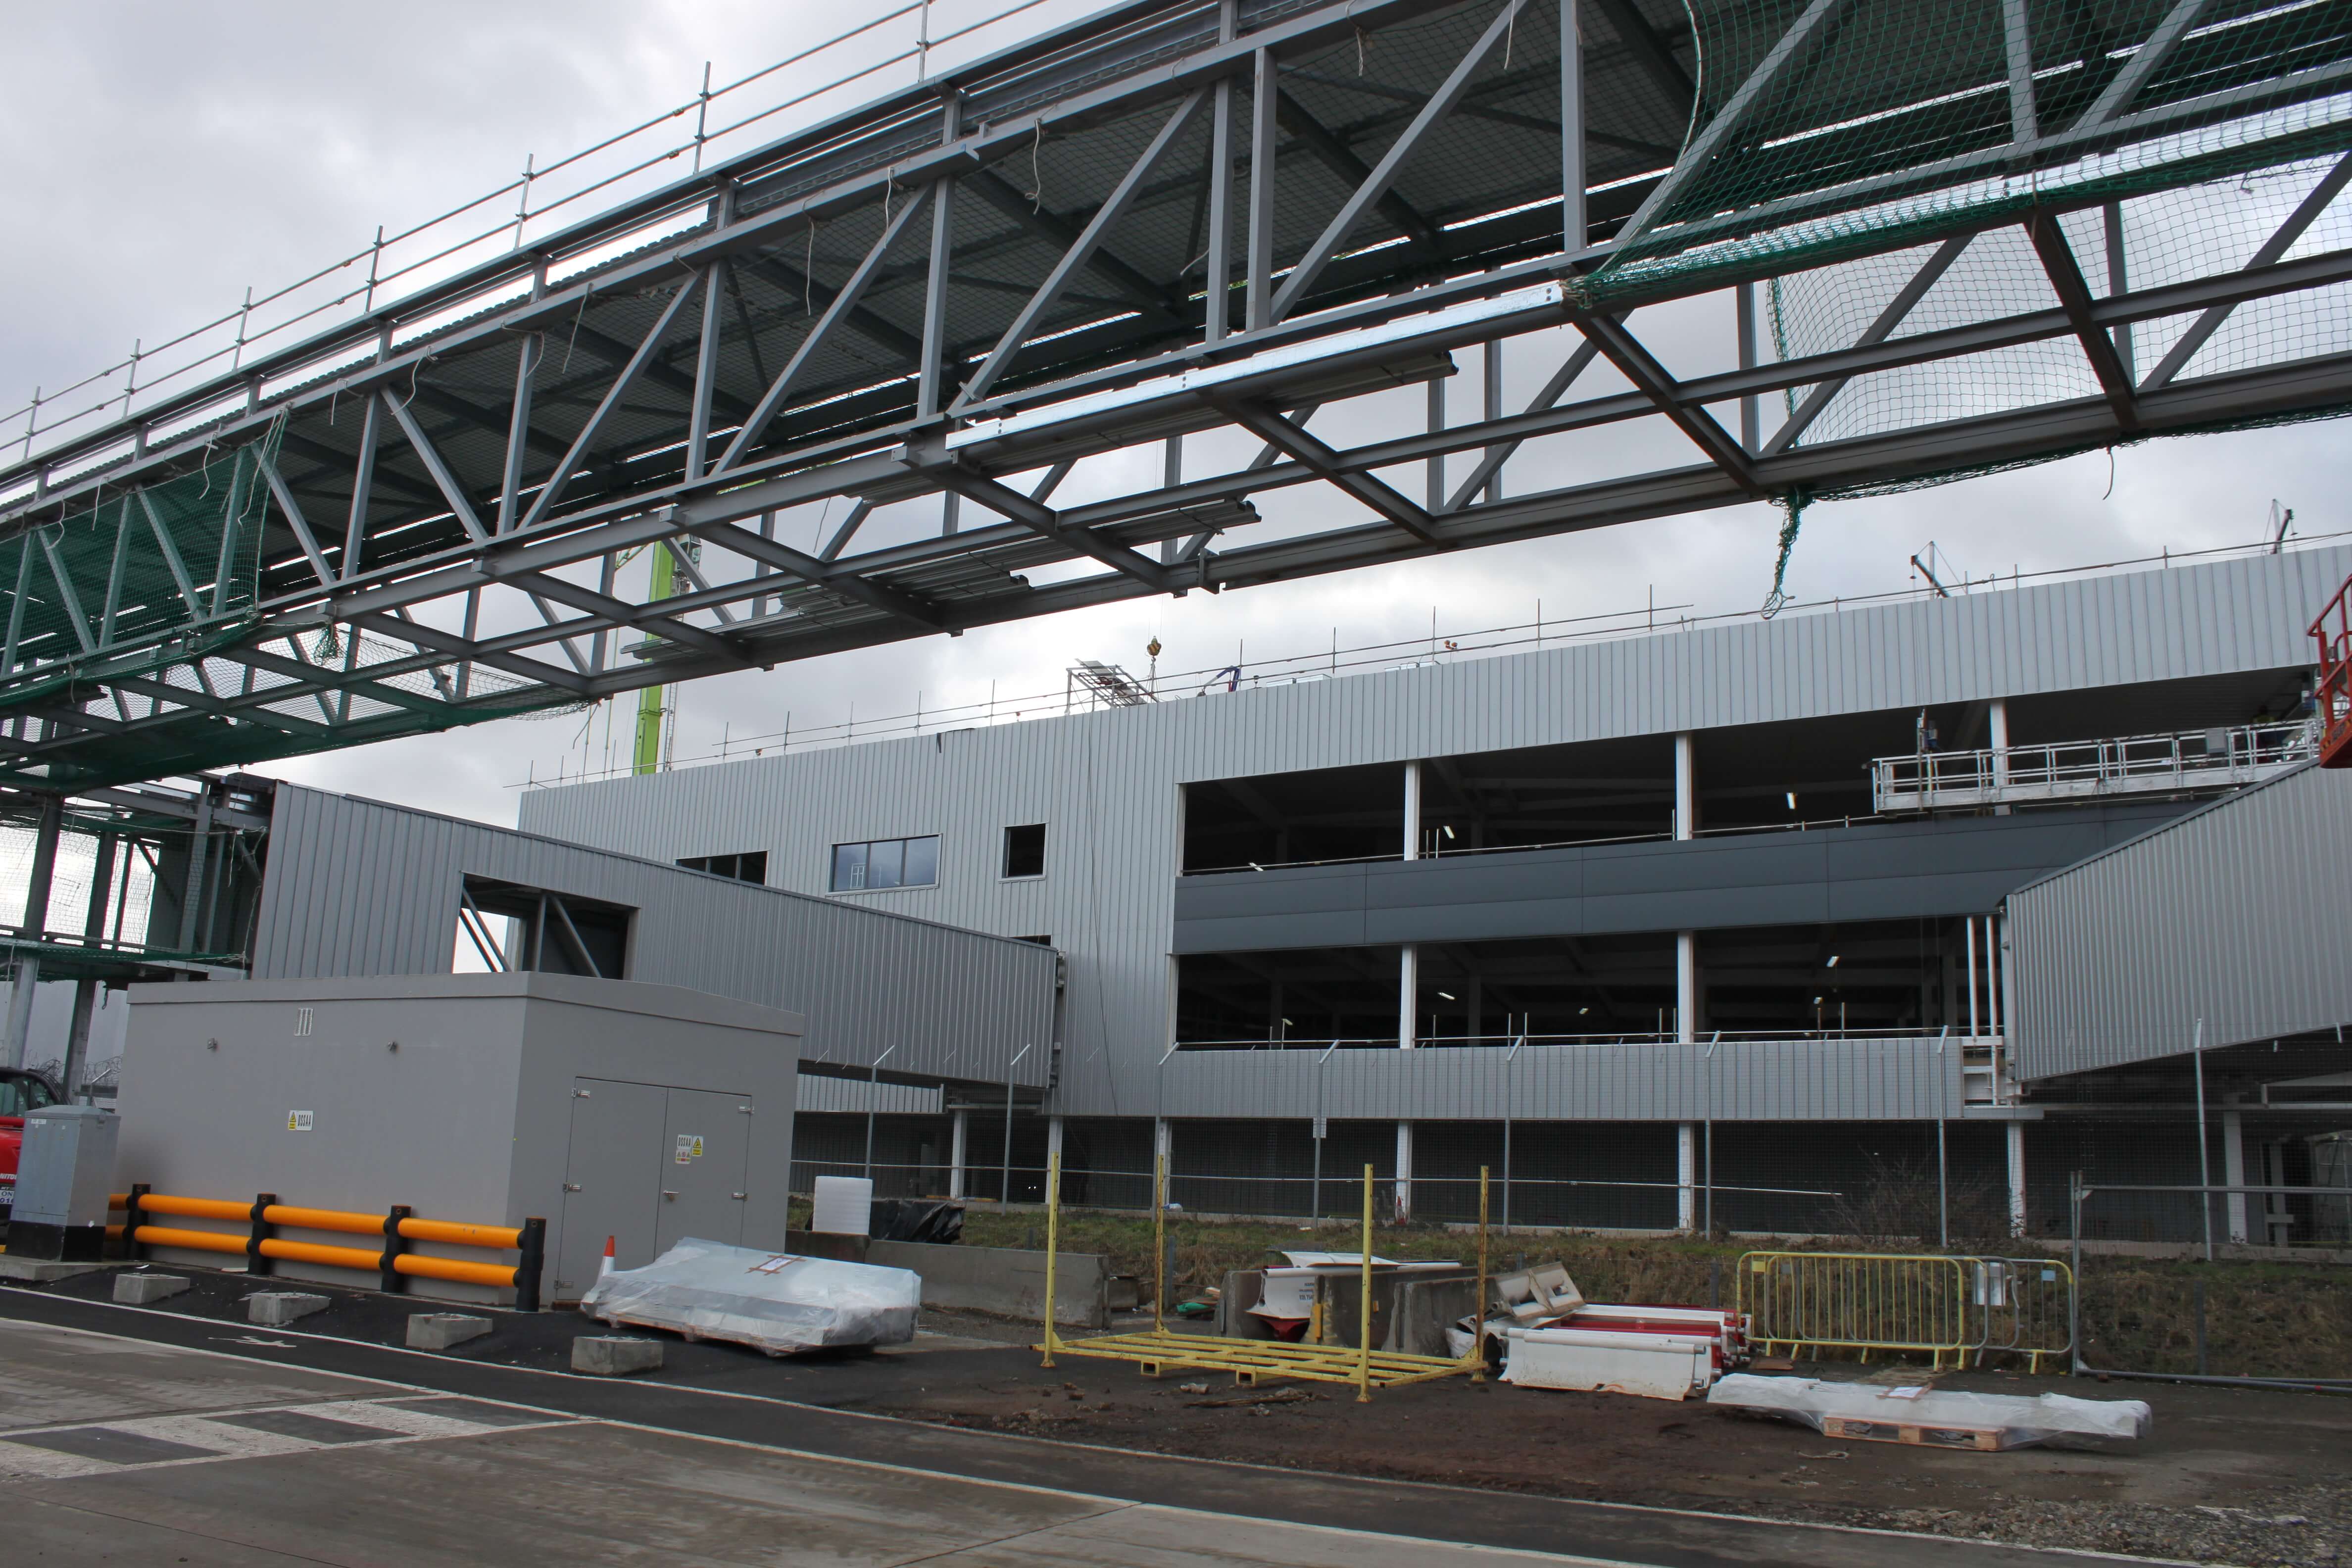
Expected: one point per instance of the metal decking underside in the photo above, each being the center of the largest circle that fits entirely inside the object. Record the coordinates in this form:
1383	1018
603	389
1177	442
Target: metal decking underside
417	567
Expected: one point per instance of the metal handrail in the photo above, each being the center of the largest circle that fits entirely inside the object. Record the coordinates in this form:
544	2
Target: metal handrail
2190	757
1607	1037
452	234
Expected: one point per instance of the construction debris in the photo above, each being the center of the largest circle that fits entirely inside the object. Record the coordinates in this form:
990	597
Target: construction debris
1551	1336
1928	1418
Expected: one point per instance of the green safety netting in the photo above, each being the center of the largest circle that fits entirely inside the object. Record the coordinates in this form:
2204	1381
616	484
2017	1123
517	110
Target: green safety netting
1893	116
143	579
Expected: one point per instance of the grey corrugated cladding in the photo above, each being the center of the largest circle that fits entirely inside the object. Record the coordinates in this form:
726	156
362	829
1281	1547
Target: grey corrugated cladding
1746	1080
1109	784
1924	867
355	887
2235	914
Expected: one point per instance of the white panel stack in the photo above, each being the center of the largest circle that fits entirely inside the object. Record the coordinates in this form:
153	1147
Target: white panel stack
1654	1366
843	1206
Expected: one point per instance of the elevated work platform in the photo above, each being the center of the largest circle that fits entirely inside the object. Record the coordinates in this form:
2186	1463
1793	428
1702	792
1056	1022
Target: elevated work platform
2193	760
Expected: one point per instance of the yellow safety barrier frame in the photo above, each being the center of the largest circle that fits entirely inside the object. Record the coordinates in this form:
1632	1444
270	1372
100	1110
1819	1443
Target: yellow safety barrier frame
390	1261
1945	1307
1251	1360
1867	1302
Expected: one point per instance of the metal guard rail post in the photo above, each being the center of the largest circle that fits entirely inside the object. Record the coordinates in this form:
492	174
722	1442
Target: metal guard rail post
390	1261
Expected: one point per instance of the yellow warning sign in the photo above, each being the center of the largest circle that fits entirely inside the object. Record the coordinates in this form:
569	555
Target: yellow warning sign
689	1147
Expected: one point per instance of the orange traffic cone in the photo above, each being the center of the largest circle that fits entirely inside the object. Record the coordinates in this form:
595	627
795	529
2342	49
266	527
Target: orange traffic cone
605	1264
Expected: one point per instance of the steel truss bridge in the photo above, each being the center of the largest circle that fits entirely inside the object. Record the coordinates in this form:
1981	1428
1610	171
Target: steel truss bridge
574	471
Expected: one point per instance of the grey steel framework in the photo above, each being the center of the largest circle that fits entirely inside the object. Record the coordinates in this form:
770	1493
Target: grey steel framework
1177	216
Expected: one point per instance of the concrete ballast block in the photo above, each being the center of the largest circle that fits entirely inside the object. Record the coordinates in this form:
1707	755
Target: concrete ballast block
138	1289
276	1308
602	1357
439	1331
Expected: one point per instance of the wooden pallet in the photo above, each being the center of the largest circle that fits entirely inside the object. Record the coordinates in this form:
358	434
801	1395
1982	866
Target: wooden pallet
1921	1434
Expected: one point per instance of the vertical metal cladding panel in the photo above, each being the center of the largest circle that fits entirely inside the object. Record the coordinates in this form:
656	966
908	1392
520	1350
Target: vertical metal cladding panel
1109	784
1762	1080
2234	914
357	888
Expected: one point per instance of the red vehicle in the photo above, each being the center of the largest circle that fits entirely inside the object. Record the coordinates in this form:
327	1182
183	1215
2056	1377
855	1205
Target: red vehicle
20	1092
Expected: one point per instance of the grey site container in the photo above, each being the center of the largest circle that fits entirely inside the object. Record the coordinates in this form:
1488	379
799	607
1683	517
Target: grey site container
605	1106
62	1182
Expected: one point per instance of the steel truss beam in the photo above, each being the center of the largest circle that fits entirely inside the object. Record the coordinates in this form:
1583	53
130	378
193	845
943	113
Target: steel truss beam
464	553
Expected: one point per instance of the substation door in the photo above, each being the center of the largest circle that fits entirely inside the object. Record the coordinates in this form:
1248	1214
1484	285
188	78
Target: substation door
612	1180
706	1153
647	1165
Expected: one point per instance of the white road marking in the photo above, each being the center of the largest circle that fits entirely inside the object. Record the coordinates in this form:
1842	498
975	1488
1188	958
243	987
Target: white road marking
225	1439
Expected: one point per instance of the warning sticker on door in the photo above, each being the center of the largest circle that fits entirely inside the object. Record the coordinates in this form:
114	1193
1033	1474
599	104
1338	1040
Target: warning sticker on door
298	1122
689	1147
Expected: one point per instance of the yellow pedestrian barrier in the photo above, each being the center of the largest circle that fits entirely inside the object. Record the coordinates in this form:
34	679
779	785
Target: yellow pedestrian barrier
1250	1360
1954	1309
1857	1300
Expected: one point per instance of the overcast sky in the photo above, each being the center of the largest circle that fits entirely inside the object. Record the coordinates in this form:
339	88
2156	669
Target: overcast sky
165	156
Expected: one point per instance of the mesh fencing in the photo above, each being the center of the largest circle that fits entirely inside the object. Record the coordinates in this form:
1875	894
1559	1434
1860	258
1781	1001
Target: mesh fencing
142	580
1901	1183
1901	115
73	882
2152	1303
2143	242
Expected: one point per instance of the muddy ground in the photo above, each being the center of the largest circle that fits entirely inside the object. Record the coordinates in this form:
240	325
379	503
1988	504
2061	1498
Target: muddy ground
2227	1476
2249	1476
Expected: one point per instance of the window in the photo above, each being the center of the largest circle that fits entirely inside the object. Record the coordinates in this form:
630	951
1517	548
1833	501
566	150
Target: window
885	863
751	866
22	1092
559	933
1024	850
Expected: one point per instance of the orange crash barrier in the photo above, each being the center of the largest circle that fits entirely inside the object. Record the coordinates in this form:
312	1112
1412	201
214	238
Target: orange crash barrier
392	1262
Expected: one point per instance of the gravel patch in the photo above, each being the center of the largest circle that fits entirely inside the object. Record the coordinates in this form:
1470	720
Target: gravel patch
2295	1527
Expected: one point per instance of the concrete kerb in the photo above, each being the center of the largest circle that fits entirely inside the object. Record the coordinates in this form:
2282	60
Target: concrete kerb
45	1270
276	1308
602	1356
139	1289
1003	1281
441	1331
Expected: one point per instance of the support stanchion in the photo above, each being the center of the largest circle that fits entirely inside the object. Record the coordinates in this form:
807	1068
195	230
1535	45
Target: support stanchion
1159	1244
1364	1316
1477	1354
1053	1241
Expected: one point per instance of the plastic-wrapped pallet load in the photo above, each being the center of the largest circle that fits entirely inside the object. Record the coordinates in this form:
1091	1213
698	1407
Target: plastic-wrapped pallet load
1936	1418
778	1302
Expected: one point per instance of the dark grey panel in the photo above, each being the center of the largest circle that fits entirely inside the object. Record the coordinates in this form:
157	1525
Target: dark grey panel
1744	1080
1895	870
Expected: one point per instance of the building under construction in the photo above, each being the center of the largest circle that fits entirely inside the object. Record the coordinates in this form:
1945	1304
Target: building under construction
1715	925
